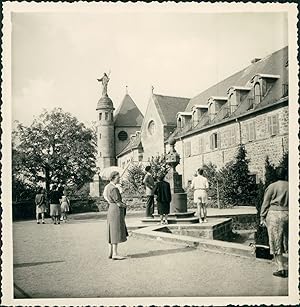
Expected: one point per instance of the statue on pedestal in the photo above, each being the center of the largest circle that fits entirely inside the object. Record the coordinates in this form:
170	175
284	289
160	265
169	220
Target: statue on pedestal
179	197
105	79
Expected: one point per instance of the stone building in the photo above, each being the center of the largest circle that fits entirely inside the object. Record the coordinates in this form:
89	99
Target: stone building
249	107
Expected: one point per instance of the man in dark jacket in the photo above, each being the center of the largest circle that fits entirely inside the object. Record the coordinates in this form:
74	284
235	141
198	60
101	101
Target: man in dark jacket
149	184
163	192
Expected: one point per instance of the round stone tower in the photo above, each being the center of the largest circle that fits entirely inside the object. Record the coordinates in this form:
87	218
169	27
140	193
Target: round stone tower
105	133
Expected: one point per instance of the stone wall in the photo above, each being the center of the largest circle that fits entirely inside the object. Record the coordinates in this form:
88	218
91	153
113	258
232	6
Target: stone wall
259	143
121	144
153	144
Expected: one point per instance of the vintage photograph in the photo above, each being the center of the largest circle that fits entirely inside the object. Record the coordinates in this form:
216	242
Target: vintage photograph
148	154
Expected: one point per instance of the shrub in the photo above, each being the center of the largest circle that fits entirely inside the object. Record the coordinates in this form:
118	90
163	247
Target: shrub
211	173
236	186
270	172
270	177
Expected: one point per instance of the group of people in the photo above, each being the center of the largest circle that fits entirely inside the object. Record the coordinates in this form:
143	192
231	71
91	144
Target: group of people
163	195
162	191
274	211
59	205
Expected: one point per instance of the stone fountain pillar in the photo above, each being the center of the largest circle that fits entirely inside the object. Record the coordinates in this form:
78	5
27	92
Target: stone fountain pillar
179	197
178	210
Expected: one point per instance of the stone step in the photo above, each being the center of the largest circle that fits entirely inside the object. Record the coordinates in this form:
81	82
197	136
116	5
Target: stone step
188	220
177	214
199	243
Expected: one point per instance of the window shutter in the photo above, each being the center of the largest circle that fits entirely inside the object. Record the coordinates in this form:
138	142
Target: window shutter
219	140
200	145
270	125
247	133
211	141
276	124
254	131
234	135
250	131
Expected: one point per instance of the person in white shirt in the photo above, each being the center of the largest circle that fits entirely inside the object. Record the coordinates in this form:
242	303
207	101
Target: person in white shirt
200	186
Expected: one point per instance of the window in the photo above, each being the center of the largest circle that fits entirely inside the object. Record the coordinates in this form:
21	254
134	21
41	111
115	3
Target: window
106	115
257	93
285	90
100	136
122	136
151	127
273	124
215	141
187	149
100	116
179	123
100	154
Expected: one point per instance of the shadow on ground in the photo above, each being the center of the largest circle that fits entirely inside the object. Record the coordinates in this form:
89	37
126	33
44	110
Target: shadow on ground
162	252
28	264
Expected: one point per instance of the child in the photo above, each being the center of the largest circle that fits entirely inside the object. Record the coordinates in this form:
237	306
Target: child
65	207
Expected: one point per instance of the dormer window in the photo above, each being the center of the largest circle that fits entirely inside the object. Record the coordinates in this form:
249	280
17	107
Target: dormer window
183	118
236	94
198	111
215	103
285	90
262	84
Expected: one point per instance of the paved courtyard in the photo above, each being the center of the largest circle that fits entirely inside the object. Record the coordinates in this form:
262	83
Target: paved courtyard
70	260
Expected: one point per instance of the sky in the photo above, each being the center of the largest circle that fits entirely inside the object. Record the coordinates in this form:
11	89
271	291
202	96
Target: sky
57	56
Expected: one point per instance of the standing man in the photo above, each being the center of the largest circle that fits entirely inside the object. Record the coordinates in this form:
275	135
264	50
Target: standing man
200	185
274	214
149	183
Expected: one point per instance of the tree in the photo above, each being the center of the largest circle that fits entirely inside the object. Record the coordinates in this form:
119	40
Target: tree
211	173
134	180
237	187
270	172
55	148
159	166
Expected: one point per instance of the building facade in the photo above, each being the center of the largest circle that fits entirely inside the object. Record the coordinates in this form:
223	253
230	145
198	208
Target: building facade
249	108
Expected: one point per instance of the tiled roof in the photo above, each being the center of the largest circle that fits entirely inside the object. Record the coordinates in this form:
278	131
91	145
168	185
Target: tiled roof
128	114
168	107
133	143
273	64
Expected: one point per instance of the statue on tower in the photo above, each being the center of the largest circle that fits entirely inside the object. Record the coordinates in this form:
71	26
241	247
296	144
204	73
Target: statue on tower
105	79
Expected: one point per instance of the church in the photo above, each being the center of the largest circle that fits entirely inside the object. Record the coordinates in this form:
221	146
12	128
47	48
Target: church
249	107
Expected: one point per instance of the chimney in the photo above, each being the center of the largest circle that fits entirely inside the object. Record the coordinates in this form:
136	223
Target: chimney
255	60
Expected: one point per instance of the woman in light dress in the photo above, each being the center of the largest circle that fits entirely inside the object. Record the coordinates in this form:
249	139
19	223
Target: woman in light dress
40	202
117	230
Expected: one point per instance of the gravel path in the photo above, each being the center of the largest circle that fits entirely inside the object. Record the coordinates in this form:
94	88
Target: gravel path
70	260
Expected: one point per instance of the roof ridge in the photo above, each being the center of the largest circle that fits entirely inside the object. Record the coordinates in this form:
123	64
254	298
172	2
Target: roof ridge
172	96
